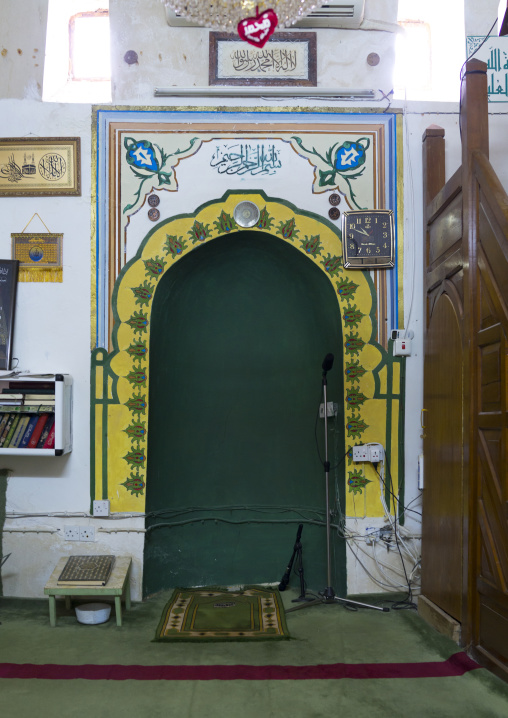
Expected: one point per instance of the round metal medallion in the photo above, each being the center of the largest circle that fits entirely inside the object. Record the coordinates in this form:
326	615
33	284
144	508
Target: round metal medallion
153	200
131	57
246	214
334	199
334	213
153	214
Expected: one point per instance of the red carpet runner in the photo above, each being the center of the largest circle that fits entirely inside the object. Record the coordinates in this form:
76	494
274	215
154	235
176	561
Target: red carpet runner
456	665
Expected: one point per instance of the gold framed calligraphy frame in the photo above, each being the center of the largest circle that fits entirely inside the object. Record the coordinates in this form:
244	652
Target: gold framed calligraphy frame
38	166
287	59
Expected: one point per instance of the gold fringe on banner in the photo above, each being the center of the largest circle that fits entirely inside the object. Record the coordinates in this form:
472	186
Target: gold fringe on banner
39	255
40	274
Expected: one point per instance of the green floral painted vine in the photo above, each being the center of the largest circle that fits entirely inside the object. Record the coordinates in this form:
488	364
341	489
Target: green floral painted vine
352	316
265	221
147	162
137	404
225	223
332	265
353	344
355	428
354	398
143	293
357	482
199	232
288	229
175	245
344	161
138	322
354	371
135	484
311	245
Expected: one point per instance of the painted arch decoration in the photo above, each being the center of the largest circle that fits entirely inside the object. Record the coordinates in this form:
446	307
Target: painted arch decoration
373	380
180	158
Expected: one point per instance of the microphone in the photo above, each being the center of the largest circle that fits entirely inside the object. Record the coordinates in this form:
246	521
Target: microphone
285	579
327	363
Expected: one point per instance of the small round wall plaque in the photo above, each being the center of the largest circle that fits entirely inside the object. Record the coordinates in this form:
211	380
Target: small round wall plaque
246	214
334	199
131	57
334	213
153	214
153	200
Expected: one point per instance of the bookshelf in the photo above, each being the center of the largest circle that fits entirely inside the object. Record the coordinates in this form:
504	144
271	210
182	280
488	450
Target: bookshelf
36	403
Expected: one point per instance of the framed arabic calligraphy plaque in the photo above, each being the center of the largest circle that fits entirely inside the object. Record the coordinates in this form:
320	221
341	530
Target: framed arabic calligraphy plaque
38	166
286	59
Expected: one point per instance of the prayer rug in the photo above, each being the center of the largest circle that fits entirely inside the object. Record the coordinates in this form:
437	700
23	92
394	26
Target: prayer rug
215	614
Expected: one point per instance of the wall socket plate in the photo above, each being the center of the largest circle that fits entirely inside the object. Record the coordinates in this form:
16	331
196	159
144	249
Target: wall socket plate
369	452
402	348
331	409
86	533
361	453
101	507
71	533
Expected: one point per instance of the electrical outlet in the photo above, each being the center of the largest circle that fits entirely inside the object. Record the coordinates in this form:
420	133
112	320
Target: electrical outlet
86	533
101	508
402	347
71	533
369	452
361	453
376	453
331	409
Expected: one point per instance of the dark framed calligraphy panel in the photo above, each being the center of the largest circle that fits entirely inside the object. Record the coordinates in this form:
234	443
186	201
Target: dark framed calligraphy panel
40	166
287	59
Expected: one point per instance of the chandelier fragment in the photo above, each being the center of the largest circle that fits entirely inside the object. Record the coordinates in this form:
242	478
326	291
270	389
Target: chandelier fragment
254	20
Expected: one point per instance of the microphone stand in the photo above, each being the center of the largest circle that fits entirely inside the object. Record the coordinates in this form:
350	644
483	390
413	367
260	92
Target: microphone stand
328	595
297	552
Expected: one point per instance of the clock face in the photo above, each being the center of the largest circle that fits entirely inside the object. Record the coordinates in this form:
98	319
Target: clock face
368	239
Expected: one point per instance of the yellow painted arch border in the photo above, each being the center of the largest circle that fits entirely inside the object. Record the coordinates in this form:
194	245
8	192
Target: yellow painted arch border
120	379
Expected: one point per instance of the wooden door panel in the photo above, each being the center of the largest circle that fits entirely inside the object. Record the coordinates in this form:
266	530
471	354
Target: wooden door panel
442	495
490	524
445	233
493	626
492	436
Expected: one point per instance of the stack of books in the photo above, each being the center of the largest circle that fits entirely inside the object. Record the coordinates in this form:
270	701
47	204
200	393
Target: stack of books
27	415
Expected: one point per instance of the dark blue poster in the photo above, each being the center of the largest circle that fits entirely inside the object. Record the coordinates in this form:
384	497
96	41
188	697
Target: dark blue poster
8	284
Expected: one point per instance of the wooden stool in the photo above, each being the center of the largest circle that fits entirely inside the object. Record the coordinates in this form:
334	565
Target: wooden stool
117	586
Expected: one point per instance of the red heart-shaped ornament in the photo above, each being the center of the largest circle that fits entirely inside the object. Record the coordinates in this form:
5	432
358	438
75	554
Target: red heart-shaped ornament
258	30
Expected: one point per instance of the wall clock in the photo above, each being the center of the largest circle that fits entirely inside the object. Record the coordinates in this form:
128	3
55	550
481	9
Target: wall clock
368	239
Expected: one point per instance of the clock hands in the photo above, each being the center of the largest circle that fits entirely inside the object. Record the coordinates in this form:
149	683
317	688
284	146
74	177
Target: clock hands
363	231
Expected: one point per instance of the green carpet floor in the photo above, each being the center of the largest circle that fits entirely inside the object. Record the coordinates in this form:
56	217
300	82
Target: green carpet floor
320	635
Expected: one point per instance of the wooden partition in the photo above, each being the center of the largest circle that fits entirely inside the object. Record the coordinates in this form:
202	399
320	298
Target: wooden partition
465	500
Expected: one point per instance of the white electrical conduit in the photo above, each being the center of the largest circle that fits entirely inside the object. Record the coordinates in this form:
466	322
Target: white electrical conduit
116	531
328	93
30	531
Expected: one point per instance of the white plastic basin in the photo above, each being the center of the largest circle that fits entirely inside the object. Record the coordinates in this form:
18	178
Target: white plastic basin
92	613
